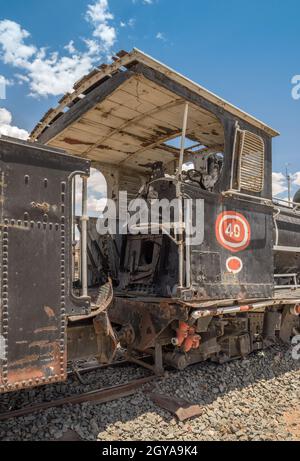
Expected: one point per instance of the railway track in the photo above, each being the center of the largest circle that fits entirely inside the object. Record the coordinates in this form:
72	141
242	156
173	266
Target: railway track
99	396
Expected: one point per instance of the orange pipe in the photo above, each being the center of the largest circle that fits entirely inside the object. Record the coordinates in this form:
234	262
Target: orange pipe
182	333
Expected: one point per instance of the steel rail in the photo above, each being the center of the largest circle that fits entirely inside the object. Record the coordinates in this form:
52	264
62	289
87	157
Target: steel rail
75	369
103	395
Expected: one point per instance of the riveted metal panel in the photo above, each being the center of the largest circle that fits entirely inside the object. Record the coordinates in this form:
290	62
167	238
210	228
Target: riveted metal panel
35	263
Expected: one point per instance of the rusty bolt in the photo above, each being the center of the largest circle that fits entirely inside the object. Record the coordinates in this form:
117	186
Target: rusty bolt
44	207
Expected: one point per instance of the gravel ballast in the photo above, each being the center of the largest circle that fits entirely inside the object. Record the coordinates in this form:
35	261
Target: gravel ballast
253	399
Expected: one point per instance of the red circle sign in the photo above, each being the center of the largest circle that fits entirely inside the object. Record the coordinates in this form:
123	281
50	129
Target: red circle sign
233	231
234	265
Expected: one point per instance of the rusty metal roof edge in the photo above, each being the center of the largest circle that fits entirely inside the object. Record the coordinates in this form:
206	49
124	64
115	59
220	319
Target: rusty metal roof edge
139	56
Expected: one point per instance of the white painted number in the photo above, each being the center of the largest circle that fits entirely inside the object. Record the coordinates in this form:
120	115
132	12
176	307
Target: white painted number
233	231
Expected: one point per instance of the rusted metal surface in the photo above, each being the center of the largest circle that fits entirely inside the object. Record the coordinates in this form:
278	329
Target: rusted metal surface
94	365
102	301
106	338
182	409
81	341
290	321
147	320
156	365
99	396
35	265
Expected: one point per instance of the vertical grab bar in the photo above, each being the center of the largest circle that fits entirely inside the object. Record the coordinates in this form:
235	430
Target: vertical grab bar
179	197
84	227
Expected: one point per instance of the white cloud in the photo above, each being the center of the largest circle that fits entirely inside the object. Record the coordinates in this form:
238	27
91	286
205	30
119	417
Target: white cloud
130	23
5	81
145	2
97	193
5	117
49	73
279	183
296	178
97	183
2	87
96	206
99	12
6	127
12	37
93	47
161	36
22	79
99	16
70	47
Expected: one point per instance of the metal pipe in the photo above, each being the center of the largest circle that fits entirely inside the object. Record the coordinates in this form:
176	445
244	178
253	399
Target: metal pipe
188	237
276	226
74	209
180	243
198	314
179	197
289	183
287	249
235	309
73	227
184	129
84	222
237	193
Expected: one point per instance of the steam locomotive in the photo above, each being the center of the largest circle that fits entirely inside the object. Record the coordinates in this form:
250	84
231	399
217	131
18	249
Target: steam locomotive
160	138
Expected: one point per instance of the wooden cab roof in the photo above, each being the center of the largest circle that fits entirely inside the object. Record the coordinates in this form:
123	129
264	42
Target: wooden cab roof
119	115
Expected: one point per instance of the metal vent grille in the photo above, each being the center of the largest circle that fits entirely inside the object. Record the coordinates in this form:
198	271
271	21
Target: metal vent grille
251	162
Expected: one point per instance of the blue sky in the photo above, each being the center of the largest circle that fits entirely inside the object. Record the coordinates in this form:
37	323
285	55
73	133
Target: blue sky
245	51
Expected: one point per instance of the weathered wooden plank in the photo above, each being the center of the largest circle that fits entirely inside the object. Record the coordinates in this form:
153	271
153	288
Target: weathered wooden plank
131	101
111	154
144	91
90	127
79	136
70	148
104	160
151	156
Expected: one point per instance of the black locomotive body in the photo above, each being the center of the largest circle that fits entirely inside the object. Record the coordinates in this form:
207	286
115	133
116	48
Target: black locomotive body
36	249
223	313
233	290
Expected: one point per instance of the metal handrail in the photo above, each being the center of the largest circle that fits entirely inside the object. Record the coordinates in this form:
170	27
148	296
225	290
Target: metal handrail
294	206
